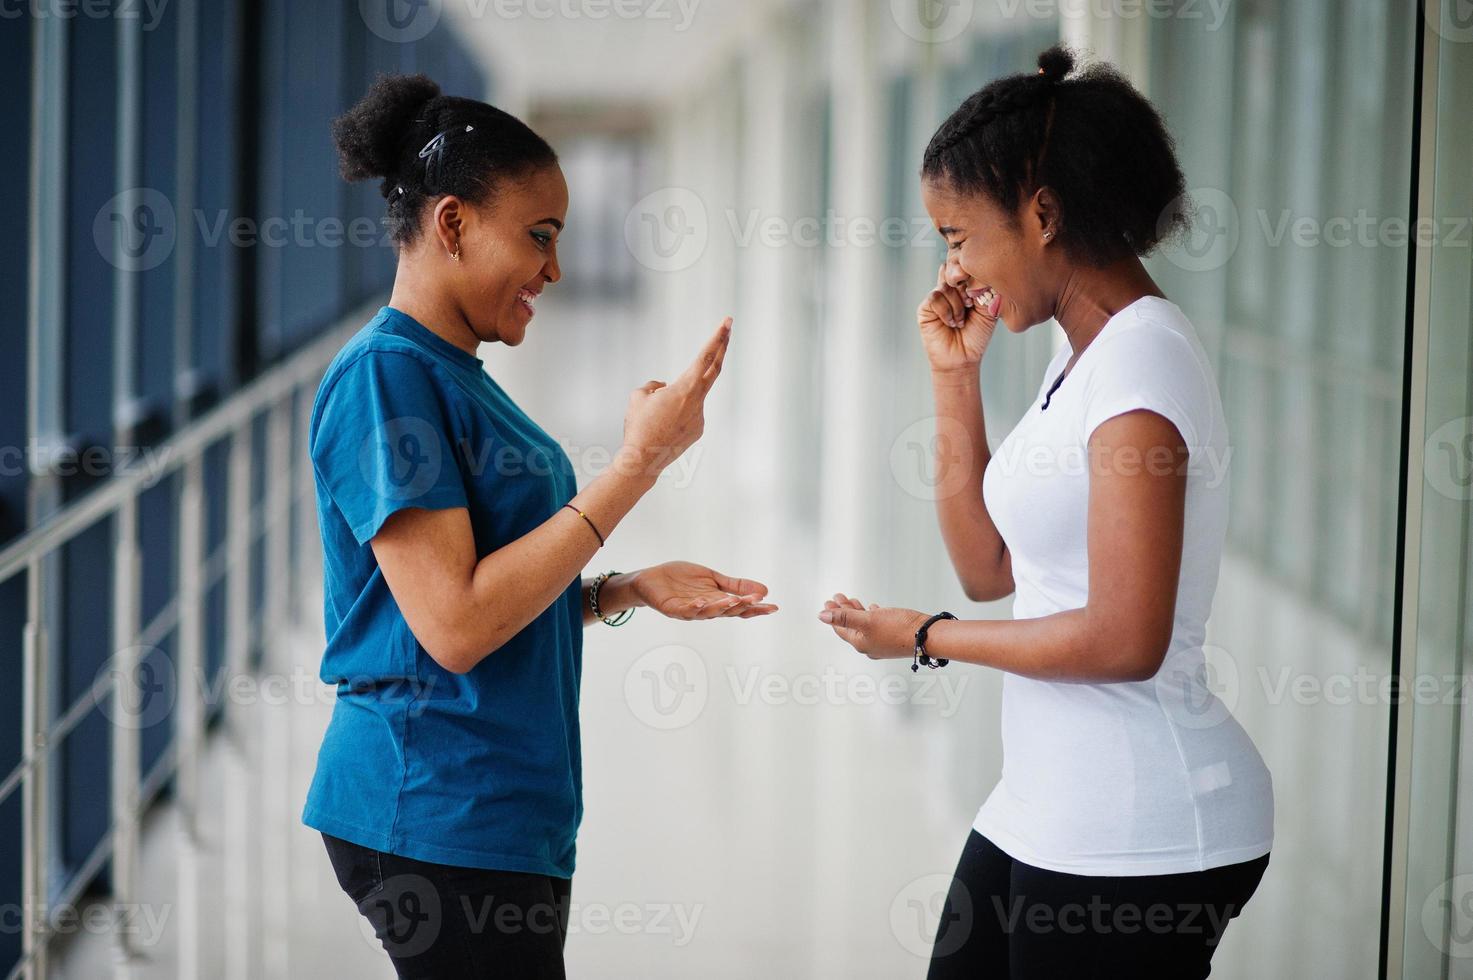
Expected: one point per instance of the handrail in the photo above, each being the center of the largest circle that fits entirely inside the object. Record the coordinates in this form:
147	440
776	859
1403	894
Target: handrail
59	528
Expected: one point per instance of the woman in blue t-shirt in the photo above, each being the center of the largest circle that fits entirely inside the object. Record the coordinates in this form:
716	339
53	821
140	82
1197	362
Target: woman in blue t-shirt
448	787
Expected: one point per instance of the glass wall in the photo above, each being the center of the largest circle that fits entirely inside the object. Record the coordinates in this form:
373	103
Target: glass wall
1430	888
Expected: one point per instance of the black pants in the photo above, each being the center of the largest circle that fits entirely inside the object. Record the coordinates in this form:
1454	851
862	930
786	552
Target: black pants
439	920
1006	919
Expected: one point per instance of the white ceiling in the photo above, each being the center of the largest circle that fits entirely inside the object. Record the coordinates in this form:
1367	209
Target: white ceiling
558	51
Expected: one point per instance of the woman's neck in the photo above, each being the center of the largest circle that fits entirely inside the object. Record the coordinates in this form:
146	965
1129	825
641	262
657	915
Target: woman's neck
432	308
1093	294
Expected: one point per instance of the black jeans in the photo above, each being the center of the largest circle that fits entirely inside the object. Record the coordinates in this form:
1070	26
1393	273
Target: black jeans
440	920
1006	919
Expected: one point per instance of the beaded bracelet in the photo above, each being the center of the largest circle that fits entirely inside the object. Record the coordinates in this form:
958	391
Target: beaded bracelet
620	618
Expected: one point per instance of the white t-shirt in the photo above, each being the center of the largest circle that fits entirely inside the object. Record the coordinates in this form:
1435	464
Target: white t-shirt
1128	778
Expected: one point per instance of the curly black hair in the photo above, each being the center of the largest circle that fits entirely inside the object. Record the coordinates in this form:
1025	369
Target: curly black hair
393	133
1089	135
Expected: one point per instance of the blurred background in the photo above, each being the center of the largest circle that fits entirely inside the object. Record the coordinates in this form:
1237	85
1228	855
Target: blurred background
761	801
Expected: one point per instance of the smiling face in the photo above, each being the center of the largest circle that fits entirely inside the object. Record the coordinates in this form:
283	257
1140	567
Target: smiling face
987	247
508	252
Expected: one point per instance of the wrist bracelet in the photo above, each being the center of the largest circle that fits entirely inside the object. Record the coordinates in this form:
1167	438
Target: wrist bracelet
620	618
589	520
921	656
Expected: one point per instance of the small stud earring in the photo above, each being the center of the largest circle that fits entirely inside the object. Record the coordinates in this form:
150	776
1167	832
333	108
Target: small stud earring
1047	235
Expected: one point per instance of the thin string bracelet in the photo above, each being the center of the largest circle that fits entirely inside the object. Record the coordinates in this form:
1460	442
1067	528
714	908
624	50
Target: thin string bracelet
589	520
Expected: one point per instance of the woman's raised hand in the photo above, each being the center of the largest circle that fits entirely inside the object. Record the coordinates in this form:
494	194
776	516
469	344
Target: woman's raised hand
956	323
662	420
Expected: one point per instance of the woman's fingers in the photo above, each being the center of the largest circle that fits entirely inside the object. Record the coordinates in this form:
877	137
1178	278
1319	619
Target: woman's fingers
739	586
724	331
703	370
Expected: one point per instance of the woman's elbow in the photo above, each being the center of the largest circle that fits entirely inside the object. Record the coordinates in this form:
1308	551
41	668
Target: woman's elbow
451	646
454	657
986	590
1142	661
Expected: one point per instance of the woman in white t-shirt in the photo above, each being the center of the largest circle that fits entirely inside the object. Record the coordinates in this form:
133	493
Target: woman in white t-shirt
1134	816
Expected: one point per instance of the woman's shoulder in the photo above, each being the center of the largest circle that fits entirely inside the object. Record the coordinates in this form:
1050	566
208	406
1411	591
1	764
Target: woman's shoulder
380	354
1150	336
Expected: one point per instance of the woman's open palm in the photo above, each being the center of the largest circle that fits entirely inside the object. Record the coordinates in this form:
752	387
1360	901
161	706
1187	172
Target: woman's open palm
685	590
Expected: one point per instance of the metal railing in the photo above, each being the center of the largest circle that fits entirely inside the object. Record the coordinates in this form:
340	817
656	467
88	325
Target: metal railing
288	486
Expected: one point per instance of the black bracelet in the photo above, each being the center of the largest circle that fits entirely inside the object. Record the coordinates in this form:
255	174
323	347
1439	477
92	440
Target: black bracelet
921	656
619	618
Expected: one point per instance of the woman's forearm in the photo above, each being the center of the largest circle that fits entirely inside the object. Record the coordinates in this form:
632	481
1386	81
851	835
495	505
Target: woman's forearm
514	584
1064	646
461	608
976	548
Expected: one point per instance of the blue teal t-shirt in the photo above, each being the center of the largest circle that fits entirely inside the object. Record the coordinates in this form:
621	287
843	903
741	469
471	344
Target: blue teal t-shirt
481	769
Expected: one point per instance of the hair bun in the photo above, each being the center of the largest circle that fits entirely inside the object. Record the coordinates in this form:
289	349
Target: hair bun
1055	63
370	136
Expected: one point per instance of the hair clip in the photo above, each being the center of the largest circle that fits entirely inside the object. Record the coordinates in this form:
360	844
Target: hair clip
432	153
